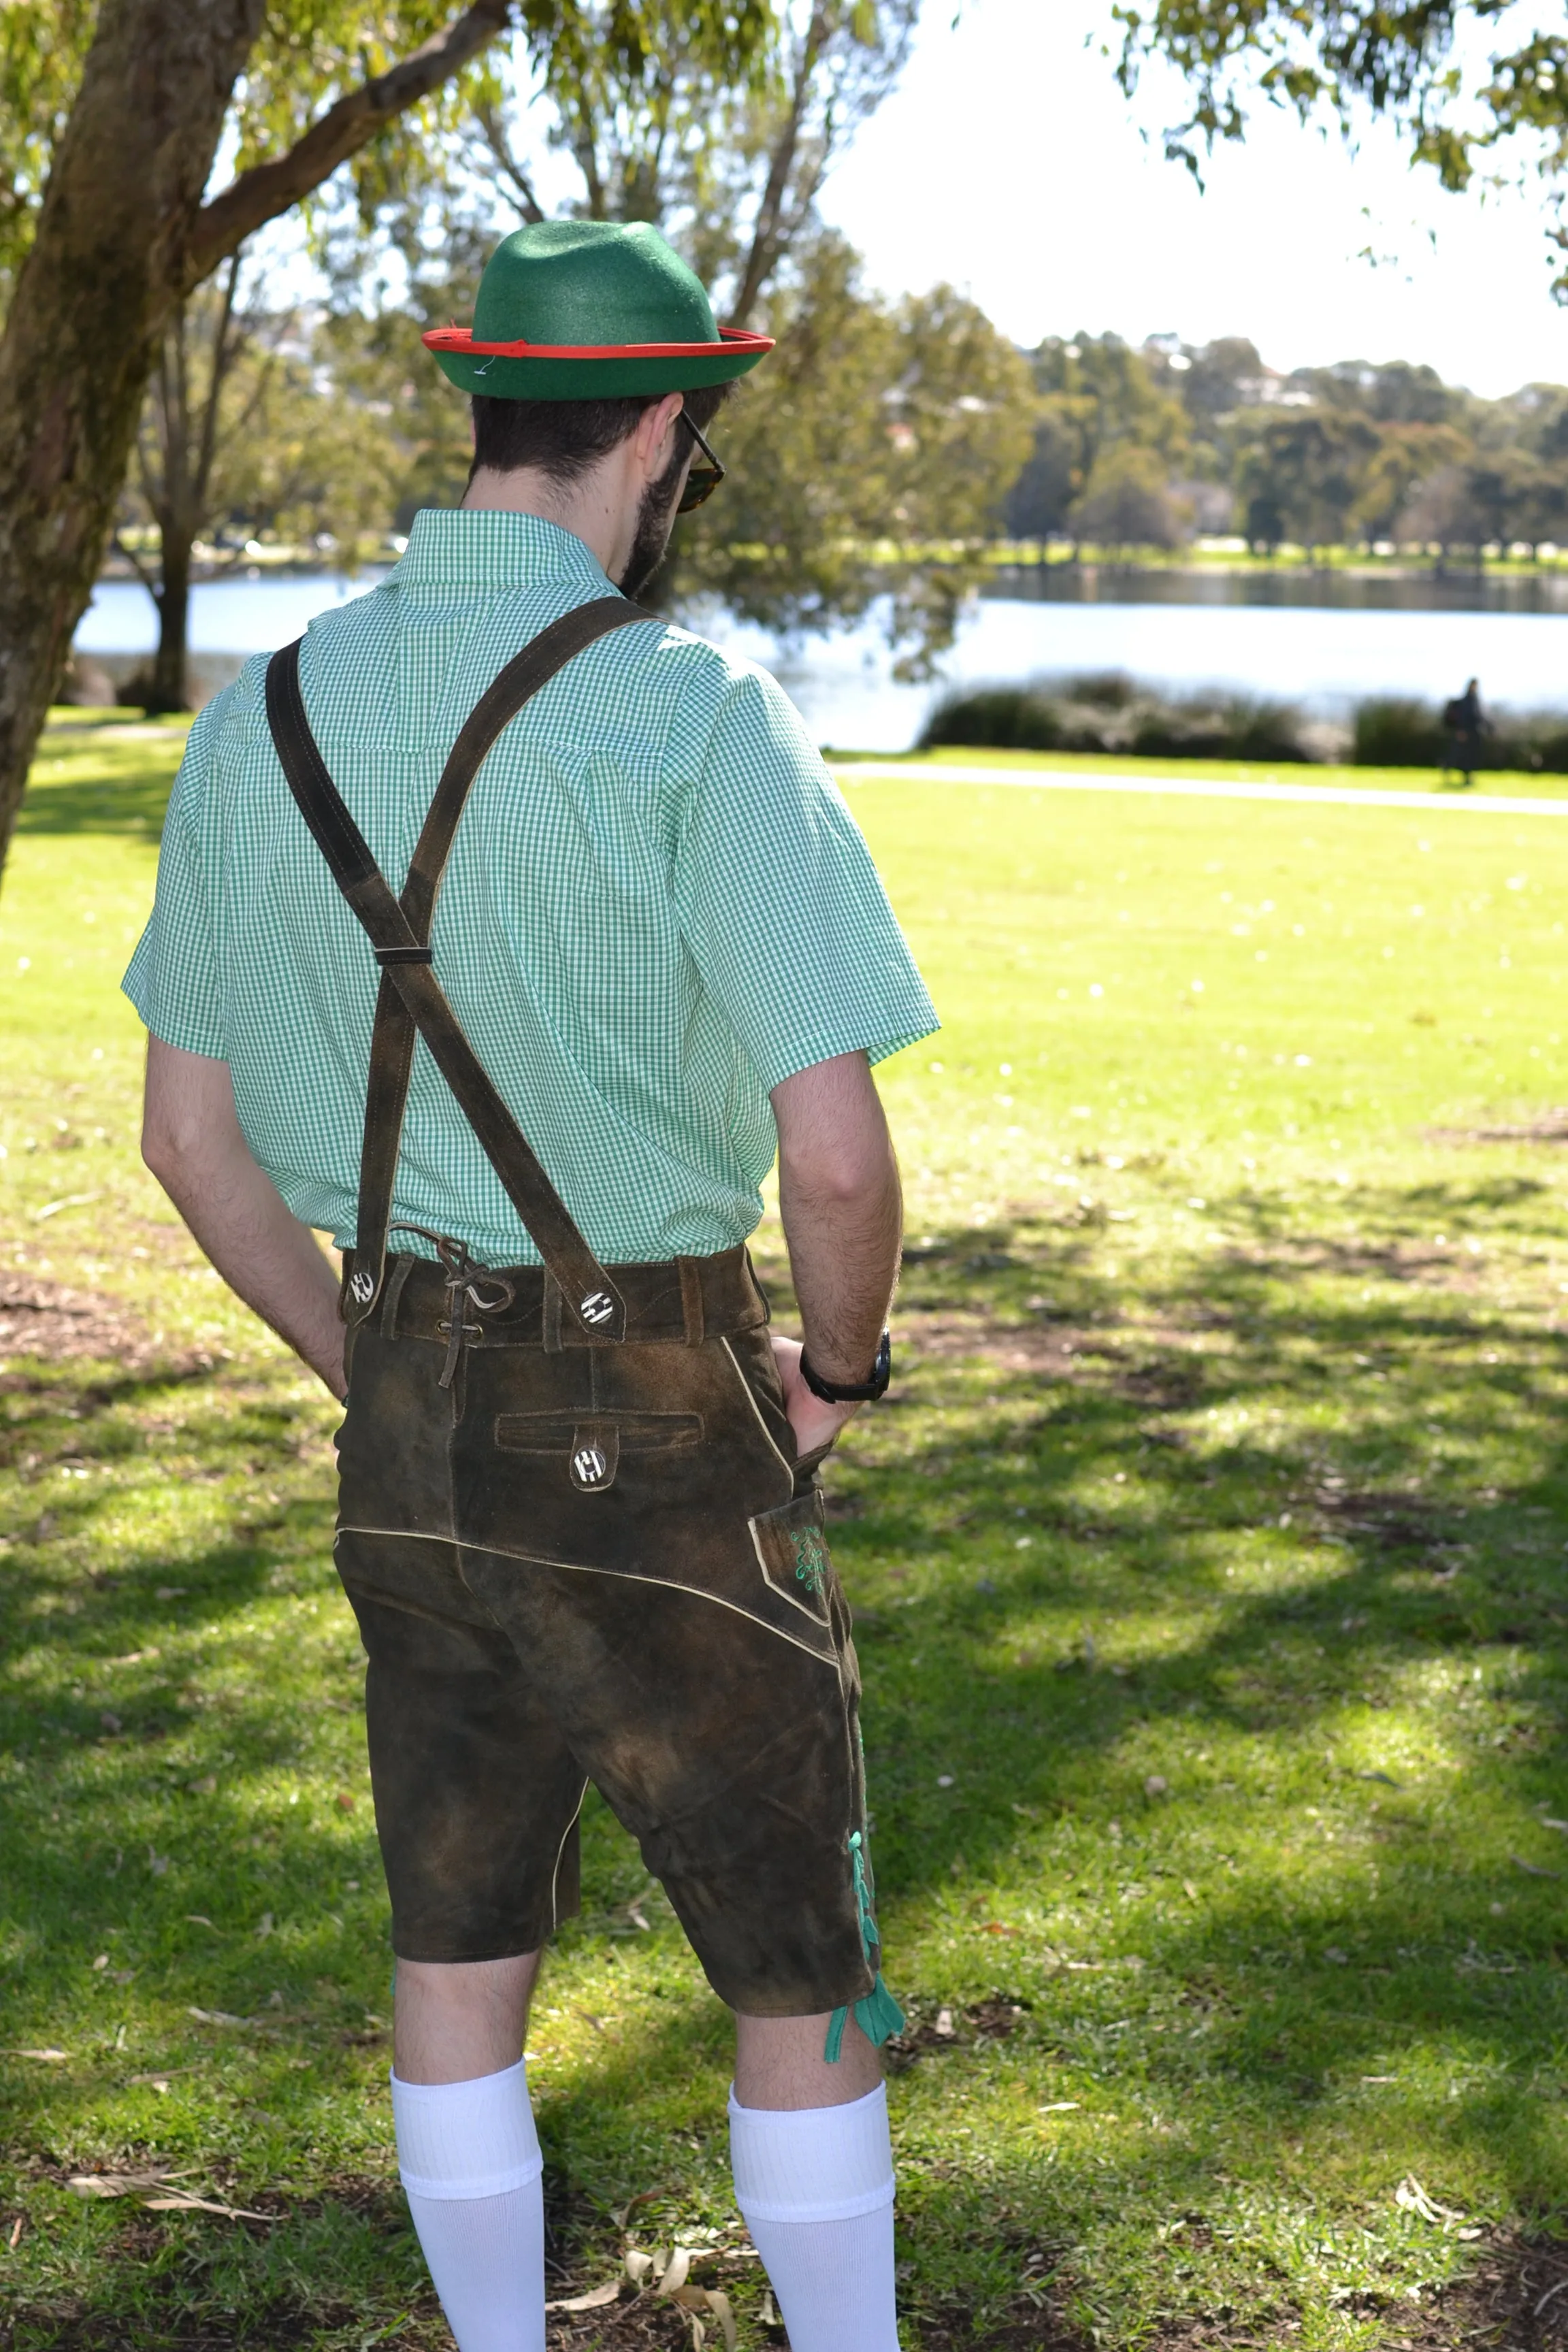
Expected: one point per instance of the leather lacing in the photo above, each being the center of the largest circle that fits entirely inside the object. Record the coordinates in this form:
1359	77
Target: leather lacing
468	1283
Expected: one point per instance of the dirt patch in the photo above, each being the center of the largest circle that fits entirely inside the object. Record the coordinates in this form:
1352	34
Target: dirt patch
1394	1522
984	2020
44	1323
1158	1369
1517	2296
1550	1128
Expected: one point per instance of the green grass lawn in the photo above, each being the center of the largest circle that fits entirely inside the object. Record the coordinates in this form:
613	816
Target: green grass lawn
1208	1565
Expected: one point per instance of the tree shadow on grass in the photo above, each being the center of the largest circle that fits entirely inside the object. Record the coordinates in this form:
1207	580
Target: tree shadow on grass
116	781
1267	1991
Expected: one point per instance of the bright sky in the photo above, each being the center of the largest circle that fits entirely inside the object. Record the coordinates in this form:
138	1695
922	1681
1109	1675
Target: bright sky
1009	163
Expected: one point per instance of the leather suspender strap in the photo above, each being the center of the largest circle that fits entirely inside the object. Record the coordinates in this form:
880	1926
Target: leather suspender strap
411	1002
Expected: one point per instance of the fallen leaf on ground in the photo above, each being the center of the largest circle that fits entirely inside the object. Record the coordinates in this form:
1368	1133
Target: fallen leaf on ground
203	2205
696	2299
1413	2199
120	2184
594	2300
1058	2107
44	2057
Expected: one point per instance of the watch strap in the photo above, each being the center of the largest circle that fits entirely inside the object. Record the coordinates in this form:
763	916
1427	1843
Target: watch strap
852	1391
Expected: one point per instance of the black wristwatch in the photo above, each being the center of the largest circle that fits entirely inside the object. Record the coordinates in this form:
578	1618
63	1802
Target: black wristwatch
852	1391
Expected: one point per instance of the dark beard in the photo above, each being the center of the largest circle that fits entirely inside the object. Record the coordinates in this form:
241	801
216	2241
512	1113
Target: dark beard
656	520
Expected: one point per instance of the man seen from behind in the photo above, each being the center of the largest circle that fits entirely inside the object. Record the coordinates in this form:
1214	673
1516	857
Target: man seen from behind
504	931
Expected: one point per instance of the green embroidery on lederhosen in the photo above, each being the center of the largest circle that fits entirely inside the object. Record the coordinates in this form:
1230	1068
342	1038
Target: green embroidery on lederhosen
810	1559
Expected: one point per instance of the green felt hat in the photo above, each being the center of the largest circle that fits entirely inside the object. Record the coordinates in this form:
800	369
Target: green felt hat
591	311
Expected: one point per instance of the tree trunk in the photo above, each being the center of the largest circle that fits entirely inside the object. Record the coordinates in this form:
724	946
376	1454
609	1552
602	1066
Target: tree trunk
124	237
105	269
165	689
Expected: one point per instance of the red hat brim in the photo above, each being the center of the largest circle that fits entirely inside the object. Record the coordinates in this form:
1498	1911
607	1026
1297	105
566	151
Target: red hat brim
736	343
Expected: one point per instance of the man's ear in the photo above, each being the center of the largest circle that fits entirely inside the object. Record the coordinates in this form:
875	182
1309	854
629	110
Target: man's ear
653	434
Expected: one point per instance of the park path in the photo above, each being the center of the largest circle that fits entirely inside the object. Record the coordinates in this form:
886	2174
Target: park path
1197	788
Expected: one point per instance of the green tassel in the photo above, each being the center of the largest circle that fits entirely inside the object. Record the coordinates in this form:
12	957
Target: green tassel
879	2017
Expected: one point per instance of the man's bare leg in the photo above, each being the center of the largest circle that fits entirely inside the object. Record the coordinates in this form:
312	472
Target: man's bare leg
454	2023
814	2178
467	2147
779	2063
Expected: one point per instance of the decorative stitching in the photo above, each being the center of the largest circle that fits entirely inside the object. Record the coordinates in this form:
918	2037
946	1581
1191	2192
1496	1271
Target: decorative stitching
555	1874
746	1388
810	1558
828	1657
807	1554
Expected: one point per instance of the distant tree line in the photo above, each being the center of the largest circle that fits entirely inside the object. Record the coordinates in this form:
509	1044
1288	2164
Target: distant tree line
880	454
1147	446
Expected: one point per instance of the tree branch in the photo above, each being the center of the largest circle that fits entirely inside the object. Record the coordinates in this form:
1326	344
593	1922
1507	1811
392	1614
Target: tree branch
493	131
225	354
764	256
147	579
267	190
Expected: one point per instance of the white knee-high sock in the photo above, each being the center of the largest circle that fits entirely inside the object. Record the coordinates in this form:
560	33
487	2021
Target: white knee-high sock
815	2186
469	2159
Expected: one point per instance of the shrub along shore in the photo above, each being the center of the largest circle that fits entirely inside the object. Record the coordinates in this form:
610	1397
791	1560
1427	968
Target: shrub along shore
1109	712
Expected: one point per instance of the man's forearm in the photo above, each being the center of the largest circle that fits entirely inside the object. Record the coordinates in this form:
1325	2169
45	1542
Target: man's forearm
193	1143
844	1255
267	1256
842	1211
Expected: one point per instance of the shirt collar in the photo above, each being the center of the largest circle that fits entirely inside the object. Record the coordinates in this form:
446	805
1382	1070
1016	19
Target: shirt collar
454	547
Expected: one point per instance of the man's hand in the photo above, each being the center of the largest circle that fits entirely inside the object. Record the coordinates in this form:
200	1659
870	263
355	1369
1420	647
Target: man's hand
815	1423
838	1197
191	1141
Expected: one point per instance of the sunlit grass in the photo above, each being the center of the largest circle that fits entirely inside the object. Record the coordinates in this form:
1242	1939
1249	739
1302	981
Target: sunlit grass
1208	1567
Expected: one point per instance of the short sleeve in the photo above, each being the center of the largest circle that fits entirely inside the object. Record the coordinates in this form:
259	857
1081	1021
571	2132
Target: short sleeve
782	909
173	979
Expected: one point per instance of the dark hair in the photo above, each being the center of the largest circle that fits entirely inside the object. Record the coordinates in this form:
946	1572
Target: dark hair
563	439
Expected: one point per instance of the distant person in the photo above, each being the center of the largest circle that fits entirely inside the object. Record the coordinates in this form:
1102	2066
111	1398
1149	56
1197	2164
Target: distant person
1467	723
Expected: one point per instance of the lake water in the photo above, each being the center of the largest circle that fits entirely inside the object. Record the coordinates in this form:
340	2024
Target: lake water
1317	655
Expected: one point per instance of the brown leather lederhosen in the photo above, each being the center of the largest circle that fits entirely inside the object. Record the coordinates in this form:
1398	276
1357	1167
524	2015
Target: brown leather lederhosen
571	1521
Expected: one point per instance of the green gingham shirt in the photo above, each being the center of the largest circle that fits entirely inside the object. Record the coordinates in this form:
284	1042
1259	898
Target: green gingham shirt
657	907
